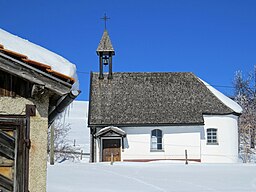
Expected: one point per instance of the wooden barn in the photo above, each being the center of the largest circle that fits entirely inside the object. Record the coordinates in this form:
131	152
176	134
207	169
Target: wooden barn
32	94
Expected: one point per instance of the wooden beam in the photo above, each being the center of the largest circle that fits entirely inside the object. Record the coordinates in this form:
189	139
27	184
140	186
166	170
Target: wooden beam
37	64
6	183
7	145
52	145
24	71
14	54
6	163
62	76
7	140
6	152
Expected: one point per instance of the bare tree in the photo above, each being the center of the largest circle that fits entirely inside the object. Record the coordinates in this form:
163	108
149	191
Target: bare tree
245	95
63	148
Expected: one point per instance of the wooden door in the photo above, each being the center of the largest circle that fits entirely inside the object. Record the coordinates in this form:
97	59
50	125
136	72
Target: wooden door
111	146
13	158
7	159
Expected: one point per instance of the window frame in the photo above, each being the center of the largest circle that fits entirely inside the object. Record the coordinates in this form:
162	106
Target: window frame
212	136
158	136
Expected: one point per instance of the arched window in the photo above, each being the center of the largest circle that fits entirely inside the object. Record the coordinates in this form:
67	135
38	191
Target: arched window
156	139
212	136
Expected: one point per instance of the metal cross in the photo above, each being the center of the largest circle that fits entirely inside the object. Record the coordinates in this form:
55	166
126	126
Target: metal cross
105	18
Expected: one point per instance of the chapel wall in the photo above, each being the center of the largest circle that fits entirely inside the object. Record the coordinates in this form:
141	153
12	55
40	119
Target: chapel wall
226	151
176	139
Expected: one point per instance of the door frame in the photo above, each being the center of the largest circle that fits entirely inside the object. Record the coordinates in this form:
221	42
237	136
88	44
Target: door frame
101	146
19	124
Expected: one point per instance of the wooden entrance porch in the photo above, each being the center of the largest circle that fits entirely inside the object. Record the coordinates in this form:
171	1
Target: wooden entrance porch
111	143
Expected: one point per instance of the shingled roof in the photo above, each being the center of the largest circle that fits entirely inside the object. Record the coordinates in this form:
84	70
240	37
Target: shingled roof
151	99
105	44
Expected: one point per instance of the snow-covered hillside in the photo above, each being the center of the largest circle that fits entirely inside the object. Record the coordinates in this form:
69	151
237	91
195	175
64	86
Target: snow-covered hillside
151	177
76	116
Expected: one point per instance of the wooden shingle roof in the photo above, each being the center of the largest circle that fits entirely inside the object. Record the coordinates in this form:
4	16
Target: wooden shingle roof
151	99
105	44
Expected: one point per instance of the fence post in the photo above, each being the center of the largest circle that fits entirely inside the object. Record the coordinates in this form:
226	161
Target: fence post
186	156
81	157
112	159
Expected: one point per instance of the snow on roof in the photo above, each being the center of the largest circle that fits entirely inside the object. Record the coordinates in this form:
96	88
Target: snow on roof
224	99
111	128
39	54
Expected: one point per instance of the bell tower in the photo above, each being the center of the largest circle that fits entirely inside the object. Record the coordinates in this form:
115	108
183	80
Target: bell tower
105	51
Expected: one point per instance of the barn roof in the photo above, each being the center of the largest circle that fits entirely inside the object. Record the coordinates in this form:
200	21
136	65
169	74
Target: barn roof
151	99
44	69
38	57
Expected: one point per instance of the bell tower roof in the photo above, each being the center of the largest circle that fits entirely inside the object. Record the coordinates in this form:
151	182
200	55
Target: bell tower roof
105	45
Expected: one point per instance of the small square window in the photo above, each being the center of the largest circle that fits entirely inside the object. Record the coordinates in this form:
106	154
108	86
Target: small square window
212	136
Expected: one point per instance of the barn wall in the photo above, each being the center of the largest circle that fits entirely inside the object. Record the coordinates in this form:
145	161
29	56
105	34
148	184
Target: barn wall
227	149
38	136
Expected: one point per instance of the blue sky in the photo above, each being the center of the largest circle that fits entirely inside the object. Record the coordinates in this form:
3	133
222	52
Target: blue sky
211	38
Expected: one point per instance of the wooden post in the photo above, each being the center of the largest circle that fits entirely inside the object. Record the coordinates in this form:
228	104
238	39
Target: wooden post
110	75
101	67
30	112
81	157
247	154
112	159
52	145
186	156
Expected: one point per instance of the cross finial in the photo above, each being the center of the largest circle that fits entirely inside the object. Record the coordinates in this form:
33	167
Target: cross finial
105	18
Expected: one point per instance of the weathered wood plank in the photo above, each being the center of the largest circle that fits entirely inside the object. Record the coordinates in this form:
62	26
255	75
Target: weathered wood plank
5	183
7	172
6	140
4	162
11	85
6	152
9	123
7	145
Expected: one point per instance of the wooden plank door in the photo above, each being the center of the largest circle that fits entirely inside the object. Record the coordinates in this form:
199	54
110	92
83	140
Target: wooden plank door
7	159
111	146
13	156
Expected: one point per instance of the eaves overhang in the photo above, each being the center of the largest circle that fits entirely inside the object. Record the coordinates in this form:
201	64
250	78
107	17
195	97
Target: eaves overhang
33	75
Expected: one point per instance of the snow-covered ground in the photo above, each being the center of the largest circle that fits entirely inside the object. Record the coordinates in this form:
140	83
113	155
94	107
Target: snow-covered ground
165	176
151	177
